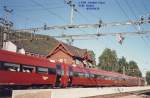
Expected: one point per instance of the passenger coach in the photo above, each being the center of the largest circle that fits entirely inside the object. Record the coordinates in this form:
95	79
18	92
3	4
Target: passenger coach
22	71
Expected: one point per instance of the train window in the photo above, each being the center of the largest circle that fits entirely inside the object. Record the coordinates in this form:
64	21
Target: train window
70	73
124	79
81	74
27	68
51	70
1	65
95	76
42	70
119	78
76	74
102	76
91	75
11	66
87	75
99	76
113	78
107	78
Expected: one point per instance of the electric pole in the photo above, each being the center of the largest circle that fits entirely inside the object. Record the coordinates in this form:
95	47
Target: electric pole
6	25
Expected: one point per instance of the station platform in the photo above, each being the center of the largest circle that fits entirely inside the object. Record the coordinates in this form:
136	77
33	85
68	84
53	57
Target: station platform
74	92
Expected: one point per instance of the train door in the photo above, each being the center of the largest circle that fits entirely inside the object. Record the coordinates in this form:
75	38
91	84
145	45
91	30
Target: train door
58	75
70	76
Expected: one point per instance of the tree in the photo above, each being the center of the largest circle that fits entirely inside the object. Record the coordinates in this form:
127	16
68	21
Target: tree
148	77
92	54
108	60
122	63
92	57
133	69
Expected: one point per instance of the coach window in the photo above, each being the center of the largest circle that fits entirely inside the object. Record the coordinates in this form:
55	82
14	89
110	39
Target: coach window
28	69
107	78
87	75
98	76
103	77
91	75
113	78
1	65
95	75
42	70
51	70
76	74
110	78
11	66
81	74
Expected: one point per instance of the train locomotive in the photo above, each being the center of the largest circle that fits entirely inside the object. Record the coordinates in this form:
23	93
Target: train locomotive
22	71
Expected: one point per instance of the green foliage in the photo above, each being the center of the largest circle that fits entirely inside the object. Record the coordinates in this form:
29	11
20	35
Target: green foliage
92	54
122	63
108	60
133	69
148	77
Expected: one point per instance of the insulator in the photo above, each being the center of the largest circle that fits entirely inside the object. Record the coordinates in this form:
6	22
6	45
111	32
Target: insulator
100	23
120	39
45	27
73	5
98	34
75	10
142	20
149	19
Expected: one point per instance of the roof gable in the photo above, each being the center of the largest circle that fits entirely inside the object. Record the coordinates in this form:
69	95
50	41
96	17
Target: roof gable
61	47
71	50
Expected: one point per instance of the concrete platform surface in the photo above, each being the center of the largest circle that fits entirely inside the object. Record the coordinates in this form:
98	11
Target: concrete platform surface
73	92
32	94
133	96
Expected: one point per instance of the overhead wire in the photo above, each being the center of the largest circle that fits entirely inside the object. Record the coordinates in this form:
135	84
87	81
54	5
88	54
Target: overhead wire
49	11
83	16
76	10
145	42
143	39
124	12
145	8
135	6
129	19
130	7
37	8
147	11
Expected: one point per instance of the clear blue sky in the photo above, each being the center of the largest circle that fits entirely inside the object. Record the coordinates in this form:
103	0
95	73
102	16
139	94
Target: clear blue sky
35	13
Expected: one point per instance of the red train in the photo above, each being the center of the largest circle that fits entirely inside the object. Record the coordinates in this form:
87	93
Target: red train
21	71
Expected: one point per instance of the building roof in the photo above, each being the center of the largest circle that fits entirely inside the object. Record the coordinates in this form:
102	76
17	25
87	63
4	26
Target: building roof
73	51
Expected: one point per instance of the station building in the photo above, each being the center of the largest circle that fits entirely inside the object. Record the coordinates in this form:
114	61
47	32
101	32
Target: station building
71	55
